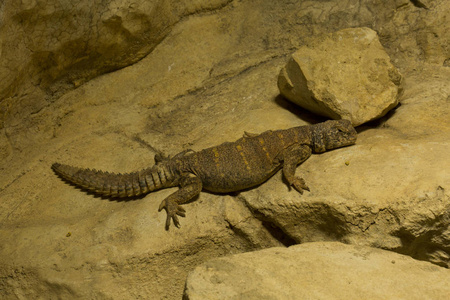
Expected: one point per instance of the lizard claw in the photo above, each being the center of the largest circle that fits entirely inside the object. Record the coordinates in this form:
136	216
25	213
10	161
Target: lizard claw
300	185
173	211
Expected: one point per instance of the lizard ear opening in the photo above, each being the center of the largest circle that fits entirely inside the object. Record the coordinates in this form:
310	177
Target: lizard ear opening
318	141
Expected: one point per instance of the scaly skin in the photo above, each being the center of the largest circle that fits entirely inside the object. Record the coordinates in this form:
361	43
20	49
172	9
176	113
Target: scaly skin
228	167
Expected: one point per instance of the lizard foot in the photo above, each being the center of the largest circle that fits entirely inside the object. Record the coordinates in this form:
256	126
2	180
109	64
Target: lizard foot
300	185
249	134
173	211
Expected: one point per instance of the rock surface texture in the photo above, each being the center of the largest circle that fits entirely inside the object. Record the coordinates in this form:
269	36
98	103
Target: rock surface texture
51	46
318	271
208	73
343	75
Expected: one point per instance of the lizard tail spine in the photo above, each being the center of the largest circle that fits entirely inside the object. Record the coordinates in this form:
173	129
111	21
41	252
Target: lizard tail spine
118	185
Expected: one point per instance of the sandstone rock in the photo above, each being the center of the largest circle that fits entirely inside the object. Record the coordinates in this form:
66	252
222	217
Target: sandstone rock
318	271
48	46
210	79
343	75
372	193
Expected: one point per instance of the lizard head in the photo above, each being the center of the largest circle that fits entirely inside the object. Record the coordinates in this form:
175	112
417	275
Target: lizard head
332	134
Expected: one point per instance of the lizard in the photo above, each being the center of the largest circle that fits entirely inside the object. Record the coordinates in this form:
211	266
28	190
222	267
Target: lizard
228	167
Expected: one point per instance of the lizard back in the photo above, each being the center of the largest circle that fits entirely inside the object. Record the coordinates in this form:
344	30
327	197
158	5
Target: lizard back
247	162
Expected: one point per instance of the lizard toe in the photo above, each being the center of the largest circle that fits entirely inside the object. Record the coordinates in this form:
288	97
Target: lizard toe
300	185
173	211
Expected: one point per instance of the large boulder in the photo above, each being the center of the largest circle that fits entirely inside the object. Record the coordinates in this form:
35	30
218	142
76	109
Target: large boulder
390	190
343	75
317	271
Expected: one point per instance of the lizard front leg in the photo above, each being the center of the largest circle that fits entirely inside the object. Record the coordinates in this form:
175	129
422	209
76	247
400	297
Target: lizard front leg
292	157
189	188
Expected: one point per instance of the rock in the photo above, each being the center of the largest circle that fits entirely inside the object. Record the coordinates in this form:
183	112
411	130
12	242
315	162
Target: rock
343	75
371	193
210	79
48	47
318	271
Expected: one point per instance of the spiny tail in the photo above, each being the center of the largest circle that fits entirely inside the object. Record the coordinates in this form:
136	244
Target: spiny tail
118	185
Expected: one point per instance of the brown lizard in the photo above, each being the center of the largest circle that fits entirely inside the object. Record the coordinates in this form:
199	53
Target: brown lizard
228	167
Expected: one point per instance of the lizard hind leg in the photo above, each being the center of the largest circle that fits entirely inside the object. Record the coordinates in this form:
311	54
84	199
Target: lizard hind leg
189	188
161	157
249	134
